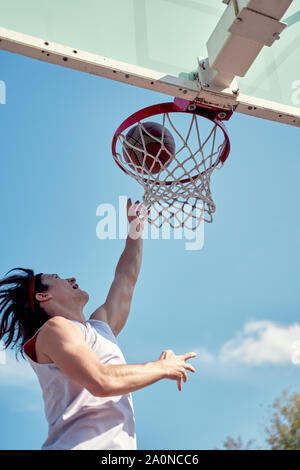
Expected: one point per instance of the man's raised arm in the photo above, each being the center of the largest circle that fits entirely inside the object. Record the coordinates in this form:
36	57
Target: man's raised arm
116	308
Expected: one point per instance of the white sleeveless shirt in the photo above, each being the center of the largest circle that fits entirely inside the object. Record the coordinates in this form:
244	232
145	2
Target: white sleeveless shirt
76	419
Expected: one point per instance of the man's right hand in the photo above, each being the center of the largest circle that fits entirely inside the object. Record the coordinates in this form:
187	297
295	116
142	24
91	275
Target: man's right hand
175	366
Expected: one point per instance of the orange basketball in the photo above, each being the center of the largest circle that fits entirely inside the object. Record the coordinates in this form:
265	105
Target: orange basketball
156	140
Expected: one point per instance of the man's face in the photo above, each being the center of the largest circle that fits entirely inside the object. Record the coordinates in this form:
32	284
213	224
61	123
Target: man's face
65	291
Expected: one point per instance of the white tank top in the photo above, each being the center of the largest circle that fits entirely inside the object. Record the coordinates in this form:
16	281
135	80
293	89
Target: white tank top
77	419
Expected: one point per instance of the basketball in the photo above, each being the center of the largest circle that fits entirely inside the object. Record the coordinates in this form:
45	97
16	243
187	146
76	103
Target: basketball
156	140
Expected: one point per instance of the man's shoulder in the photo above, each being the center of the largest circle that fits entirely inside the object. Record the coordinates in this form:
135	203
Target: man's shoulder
54	333
58	327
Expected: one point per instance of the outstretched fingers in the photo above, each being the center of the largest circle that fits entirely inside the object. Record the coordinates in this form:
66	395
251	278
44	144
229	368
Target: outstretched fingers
179	381
190	367
188	355
187	366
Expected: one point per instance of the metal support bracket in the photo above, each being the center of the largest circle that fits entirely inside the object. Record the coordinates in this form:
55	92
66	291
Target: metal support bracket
257	27
207	79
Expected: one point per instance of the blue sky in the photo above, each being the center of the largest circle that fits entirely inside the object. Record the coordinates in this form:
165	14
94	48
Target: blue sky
235	302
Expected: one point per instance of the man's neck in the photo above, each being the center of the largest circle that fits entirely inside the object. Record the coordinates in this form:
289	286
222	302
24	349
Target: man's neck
75	313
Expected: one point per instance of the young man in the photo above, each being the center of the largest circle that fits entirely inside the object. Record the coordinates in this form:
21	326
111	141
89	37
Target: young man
84	377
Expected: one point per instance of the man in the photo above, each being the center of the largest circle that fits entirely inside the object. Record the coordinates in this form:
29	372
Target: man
85	380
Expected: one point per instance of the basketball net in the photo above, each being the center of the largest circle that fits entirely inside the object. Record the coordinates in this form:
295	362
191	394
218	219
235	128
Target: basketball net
179	194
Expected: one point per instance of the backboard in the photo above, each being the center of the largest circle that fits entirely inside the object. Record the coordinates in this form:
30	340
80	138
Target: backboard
155	44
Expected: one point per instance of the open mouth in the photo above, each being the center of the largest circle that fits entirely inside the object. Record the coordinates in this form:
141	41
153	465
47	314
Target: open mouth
75	286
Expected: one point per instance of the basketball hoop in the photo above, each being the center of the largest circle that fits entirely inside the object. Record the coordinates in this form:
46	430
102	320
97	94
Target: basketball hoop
176	176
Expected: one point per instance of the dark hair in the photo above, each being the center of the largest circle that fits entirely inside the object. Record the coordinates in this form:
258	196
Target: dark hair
18	321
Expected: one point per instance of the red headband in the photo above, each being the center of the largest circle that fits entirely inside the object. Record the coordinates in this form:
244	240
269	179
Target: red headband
31	293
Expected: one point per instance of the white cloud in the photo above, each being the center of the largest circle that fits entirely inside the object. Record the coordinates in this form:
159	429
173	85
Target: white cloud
203	355
261	342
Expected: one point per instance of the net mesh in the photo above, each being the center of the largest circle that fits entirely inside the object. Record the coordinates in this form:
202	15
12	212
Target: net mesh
179	192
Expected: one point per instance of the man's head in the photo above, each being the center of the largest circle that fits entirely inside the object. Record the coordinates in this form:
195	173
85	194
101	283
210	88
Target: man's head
61	294
28	300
